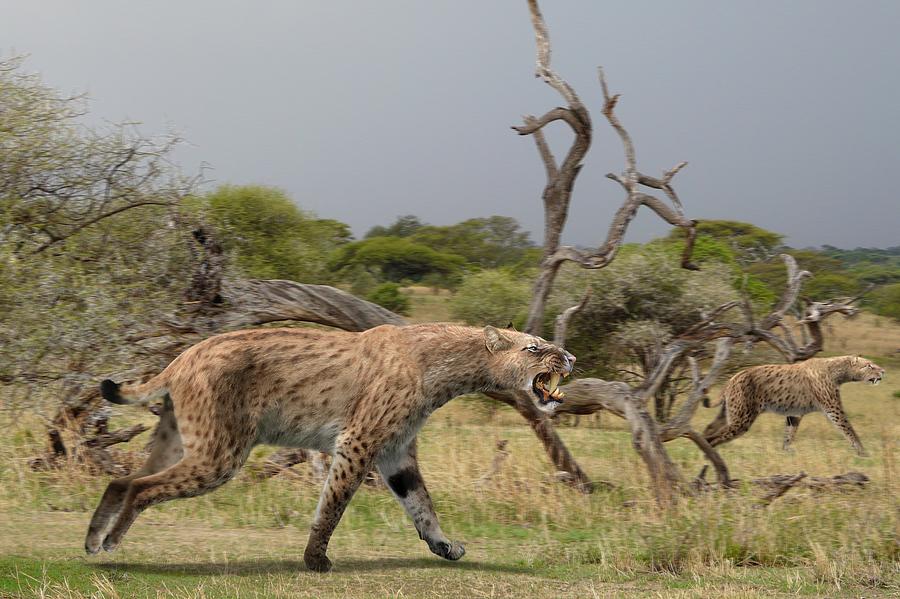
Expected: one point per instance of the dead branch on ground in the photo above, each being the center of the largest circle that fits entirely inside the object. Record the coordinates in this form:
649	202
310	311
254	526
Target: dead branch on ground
500	457
91	449
781	483
280	462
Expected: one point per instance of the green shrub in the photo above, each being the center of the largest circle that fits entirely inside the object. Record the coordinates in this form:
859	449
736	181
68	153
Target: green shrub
495	297
388	295
270	237
638	303
885	301
395	259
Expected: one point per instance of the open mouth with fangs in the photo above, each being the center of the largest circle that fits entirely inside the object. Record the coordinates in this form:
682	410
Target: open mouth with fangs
875	380
545	387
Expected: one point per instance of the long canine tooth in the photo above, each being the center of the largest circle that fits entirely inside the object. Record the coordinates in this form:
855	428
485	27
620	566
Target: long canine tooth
554	381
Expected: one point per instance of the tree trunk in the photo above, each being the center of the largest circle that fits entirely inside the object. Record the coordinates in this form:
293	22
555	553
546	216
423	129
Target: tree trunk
664	475
542	426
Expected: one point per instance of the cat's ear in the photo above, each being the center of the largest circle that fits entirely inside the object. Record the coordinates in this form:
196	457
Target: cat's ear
495	340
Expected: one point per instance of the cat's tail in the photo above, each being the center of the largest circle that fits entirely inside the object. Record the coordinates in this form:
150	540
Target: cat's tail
140	394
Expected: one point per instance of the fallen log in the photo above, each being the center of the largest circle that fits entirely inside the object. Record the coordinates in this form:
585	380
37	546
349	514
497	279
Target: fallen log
122	435
779	484
848	479
92	453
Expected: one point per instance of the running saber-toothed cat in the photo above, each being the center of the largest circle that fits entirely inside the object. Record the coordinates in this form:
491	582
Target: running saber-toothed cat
792	390
360	396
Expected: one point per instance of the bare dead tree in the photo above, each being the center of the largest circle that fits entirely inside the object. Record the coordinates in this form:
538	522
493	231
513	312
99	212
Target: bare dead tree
587	395
215	303
621	399
556	197
561	180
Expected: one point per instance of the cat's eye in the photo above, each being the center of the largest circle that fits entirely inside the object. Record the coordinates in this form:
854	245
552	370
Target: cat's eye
532	348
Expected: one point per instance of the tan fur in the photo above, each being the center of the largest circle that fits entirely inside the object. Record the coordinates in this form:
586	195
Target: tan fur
793	390
360	396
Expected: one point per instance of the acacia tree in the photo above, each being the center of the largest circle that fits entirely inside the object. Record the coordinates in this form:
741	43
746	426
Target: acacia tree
58	177
87	230
639	303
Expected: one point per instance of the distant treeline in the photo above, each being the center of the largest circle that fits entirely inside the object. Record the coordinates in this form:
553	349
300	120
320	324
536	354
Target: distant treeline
271	238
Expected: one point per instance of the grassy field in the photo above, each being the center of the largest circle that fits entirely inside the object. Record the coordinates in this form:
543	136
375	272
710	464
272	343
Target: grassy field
526	535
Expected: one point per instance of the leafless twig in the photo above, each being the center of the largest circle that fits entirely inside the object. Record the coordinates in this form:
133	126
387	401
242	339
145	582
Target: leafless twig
562	319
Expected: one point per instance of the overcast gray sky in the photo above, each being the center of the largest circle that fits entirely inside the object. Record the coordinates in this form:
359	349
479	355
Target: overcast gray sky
788	111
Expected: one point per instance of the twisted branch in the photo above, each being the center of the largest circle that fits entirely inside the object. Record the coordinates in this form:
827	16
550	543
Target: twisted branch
679	425
562	319
560	178
542	68
609	107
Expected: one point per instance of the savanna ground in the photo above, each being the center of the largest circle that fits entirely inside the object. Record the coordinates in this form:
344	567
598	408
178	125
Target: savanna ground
525	534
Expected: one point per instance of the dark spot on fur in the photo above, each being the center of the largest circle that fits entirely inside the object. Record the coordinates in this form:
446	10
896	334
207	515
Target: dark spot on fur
404	481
